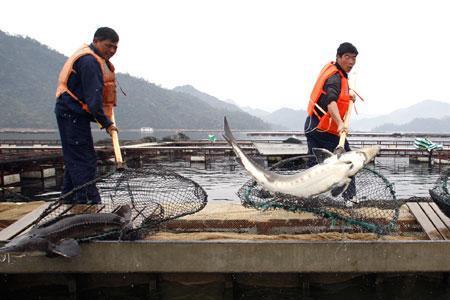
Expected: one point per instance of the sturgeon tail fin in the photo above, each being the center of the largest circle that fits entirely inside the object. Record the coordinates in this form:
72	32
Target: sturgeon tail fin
228	136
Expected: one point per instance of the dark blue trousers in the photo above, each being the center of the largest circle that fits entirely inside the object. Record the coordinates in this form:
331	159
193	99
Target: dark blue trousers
80	159
324	140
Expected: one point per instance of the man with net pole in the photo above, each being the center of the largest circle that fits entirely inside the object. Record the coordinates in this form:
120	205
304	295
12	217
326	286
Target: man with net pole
329	102
86	92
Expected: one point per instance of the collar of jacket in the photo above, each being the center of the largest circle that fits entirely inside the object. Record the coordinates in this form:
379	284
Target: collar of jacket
340	69
95	50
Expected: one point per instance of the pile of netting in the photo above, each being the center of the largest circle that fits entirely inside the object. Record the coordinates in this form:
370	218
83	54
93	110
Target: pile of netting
374	208
439	193
154	194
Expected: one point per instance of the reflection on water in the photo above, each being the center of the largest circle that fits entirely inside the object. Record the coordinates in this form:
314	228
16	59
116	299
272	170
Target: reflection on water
39	189
239	286
410	179
221	180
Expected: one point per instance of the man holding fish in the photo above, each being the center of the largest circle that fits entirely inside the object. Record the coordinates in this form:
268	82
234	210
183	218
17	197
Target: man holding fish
329	103
326	129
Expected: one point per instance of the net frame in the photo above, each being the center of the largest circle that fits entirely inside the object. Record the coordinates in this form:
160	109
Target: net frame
440	194
371	213
155	195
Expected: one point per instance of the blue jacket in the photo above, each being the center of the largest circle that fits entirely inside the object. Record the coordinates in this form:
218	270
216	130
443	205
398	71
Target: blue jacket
87	84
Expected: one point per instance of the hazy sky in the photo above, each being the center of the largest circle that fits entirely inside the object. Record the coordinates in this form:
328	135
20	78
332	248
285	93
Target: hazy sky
263	54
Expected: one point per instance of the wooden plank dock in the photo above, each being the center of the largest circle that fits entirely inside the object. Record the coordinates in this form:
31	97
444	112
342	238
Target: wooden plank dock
433	221
247	249
22	225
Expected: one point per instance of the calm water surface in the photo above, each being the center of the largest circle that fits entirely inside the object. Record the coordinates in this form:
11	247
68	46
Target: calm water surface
220	182
410	179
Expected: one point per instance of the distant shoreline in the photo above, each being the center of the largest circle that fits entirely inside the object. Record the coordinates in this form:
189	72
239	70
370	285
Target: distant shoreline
249	132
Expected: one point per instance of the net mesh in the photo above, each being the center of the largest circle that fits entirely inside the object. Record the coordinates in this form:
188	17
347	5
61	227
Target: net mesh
374	208
153	193
439	193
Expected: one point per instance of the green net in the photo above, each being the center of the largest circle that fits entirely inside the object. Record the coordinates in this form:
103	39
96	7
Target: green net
439	193
426	144
374	208
212	138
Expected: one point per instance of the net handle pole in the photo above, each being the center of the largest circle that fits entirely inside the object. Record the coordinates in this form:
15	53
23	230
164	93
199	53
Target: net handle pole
340	147
116	145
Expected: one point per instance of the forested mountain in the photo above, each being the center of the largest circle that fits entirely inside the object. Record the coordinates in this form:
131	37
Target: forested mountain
425	116
425	109
147	105
288	118
28	75
260	113
428	125
211	100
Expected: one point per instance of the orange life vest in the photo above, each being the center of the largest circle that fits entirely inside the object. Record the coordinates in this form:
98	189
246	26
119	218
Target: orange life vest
326	123
109	80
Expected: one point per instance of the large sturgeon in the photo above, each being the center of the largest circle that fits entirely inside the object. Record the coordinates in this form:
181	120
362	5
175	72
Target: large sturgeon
331	175
359	157
59	237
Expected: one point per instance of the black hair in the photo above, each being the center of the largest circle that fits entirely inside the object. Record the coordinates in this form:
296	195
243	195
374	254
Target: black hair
346	48
106	33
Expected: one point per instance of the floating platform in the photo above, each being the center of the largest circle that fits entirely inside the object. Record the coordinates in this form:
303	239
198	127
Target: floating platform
230	252
228	238
281	149
441	161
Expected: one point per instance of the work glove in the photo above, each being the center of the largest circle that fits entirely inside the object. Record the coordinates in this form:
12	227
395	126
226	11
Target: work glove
111	128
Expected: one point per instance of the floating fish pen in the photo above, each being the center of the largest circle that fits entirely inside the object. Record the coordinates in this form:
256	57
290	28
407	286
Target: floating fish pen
147	129
227	251
23	157
230	251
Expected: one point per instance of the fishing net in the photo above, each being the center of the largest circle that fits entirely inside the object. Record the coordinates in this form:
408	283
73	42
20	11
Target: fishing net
153	193
12	194
374	206
439	193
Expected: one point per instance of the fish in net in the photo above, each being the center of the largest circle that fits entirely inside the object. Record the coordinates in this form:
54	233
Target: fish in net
440	195
374	208
154	194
